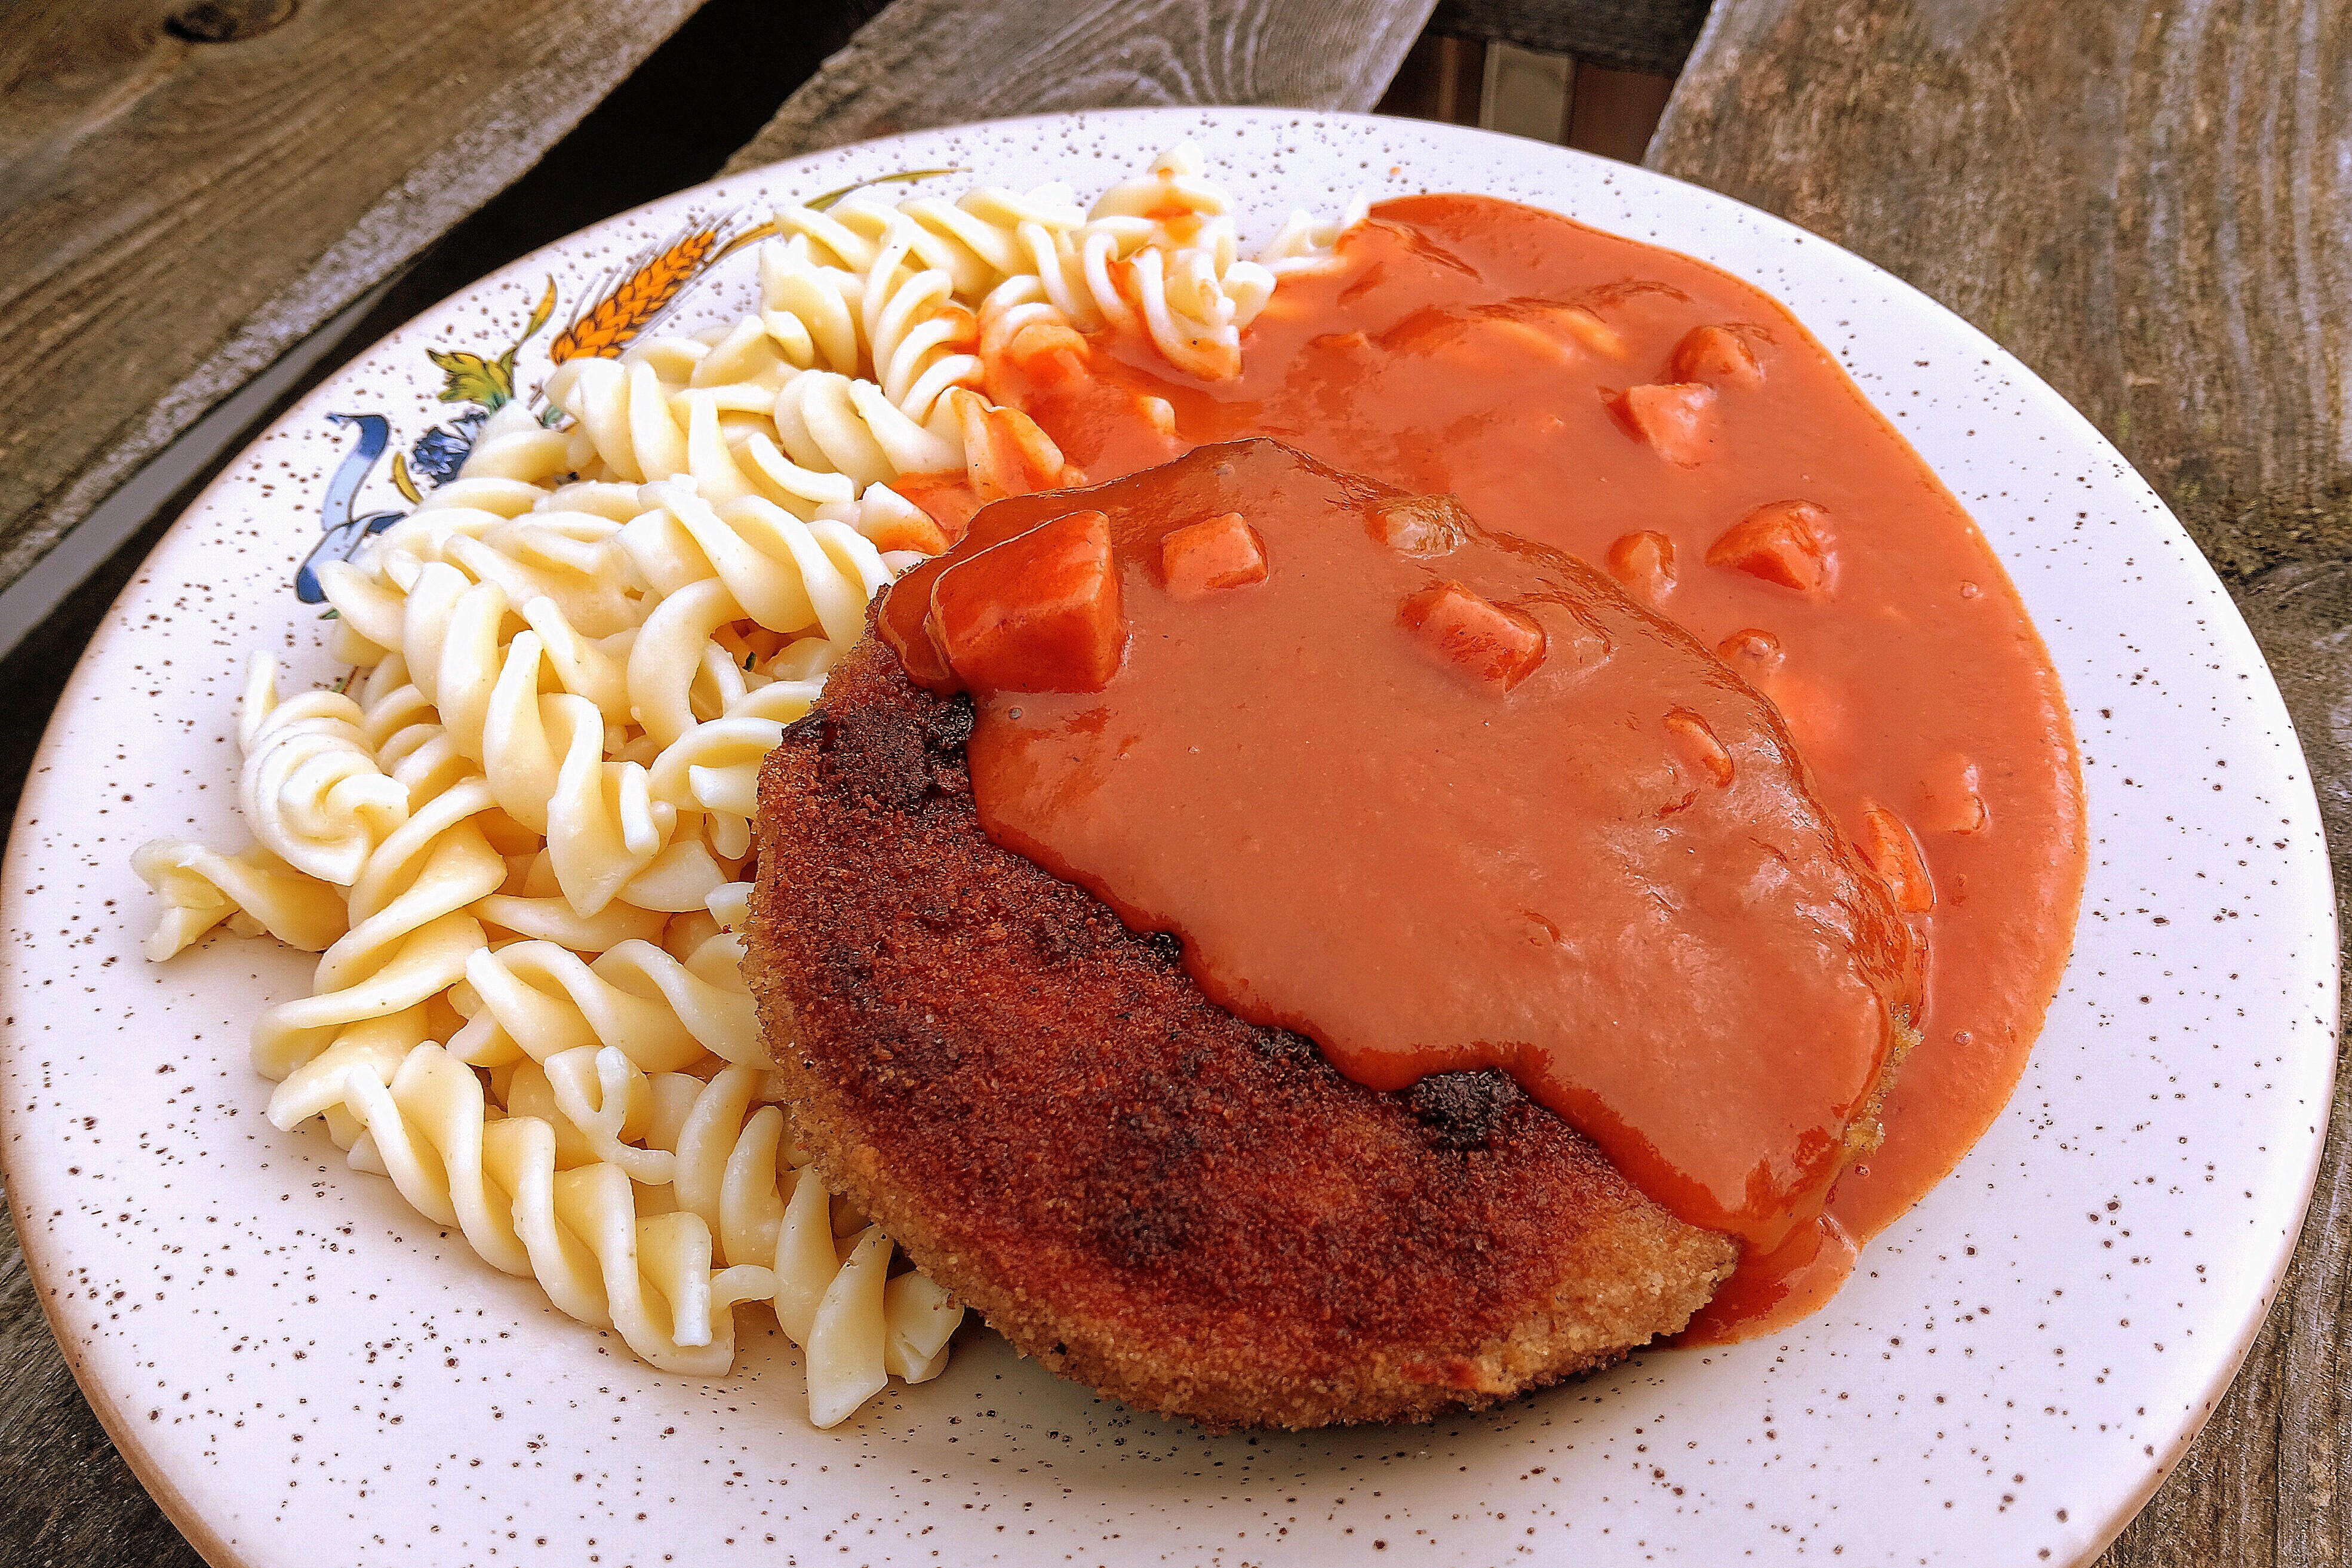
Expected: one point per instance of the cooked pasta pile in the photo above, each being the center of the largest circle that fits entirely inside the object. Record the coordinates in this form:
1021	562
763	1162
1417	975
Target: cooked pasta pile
518	834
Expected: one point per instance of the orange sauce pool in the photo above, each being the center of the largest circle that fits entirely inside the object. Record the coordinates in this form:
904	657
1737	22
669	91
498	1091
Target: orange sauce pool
1437	799
1467	345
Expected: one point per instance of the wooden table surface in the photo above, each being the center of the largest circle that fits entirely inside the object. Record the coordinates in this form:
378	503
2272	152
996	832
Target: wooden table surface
2146	202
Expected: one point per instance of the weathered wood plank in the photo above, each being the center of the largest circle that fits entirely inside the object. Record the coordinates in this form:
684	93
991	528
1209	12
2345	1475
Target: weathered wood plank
926	63
1647	36
175	212
2144	201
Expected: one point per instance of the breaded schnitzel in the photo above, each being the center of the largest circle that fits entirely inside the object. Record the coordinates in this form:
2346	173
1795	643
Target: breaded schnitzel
1149	1196
1401	783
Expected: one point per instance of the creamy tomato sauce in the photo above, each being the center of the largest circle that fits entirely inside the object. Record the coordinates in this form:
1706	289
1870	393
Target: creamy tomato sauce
1436	797
1677	428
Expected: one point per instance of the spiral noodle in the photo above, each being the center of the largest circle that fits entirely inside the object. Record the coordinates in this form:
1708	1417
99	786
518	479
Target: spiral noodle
831	422
809	309
918	338
517	836
311	788
538	999
737	1169
1172	197
1158	257
513	445
899	324
1191	314
578	1230
255	891
621	417
1306	243
977	240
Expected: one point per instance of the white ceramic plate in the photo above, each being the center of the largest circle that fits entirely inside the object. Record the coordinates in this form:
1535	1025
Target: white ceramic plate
305	1371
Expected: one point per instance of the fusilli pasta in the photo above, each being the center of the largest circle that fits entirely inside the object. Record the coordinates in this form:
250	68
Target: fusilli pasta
517	836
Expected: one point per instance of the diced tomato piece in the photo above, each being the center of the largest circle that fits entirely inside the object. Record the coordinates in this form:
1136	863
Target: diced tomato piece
1644	562
1895	855
1488	641
1716	354
1786	543
1675	419
1202	558
1695	746
1588	330
1754	653
1420	525
1511	333
1954	802
1040	611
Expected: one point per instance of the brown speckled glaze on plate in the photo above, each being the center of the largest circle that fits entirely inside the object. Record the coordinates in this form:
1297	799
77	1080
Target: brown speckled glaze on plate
306	1371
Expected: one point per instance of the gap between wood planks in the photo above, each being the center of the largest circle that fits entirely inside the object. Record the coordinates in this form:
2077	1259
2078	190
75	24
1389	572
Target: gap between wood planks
733	58
1541	94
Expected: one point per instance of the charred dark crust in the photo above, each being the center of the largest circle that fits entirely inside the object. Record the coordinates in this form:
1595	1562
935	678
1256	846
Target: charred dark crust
1465	1109
949	726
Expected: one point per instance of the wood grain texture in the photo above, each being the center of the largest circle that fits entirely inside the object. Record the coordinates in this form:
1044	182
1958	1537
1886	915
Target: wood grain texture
175	213
2146	202
1649	36
926	63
